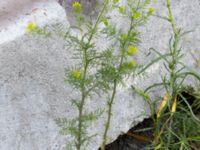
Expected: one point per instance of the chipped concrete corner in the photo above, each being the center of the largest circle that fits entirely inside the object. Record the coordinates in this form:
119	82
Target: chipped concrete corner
32	89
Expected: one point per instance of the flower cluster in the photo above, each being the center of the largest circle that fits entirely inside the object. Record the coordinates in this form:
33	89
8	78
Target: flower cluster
31	27
151	11
76	6
132	50
76	74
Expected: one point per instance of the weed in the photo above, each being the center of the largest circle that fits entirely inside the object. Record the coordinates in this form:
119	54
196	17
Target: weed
82	77
121	62
175	127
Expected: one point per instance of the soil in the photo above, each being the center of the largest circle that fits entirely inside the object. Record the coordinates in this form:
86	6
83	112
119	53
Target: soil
133	139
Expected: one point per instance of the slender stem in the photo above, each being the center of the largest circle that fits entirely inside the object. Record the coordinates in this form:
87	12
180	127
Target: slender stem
173	52
158	135
115	83
171	19
98	19
83	97
172	68
173	77
83	86
169	133
107	125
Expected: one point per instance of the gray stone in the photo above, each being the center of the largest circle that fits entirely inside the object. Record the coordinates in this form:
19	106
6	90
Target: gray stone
32	88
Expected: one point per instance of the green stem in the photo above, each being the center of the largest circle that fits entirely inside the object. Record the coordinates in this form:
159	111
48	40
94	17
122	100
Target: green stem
107	125
115	83
172	65
83	97
85	70
171	19
98	19
173	52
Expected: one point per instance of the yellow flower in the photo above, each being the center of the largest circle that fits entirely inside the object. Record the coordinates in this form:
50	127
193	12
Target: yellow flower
76	6
137	15
132	50
124	37
31	27
115	1
151	11
131	63
174	106
76	74
121	9
163	104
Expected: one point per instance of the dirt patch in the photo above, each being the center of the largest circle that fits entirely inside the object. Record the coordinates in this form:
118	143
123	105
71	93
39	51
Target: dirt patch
141	136
134	139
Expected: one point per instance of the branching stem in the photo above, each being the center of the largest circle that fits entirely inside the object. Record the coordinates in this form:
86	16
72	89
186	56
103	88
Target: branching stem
171	19
86	62
115	84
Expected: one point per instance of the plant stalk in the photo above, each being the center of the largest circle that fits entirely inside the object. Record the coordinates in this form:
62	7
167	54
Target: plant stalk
170	17
85	70
115	83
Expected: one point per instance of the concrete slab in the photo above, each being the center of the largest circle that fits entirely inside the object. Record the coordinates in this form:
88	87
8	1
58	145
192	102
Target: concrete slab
12	10
41	12
32	88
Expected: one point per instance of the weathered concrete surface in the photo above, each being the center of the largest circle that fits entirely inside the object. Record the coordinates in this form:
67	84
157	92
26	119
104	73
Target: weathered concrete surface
28	90
12	10
33	93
